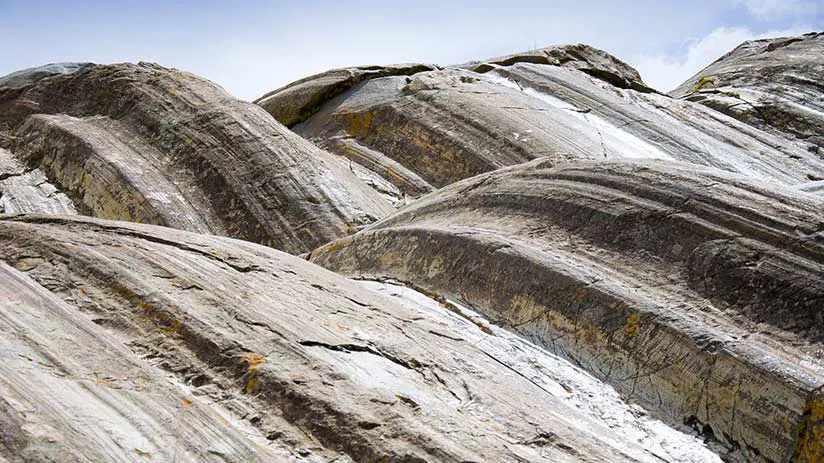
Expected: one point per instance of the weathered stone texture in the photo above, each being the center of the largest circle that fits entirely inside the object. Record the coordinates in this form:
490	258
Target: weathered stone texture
772	84
150	144
694	292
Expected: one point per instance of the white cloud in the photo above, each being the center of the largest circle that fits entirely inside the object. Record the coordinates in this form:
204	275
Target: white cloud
665	72
779	9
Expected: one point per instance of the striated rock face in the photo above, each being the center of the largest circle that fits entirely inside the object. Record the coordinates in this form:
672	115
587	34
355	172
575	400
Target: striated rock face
31	75
148	144
28	190
123	341
694	292
772	84
584	269
592	61
297	101
570	103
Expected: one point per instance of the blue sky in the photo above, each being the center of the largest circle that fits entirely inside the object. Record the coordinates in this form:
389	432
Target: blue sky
255	46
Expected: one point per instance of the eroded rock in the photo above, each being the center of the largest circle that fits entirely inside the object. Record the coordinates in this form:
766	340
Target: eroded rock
128	341
32	75
297	101
433	128
694	292
150	144
585	58
772	84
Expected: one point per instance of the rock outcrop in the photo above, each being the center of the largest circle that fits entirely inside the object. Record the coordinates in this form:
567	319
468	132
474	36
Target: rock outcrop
32	75
589	60
149	144
571	103
125	342
584	269
772	84
694	292
297	101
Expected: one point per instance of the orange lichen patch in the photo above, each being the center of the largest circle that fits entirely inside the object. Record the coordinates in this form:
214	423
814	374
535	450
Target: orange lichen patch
633	324
810	444
187	402
165	322
254	361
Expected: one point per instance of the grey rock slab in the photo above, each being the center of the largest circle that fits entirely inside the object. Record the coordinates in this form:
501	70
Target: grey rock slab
32	75
28	190
244	174
445	125
585	58
772	84
297	101
694	292
124	340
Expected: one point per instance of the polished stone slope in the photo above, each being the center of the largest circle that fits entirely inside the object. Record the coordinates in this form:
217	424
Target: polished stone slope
150	144
772	84
569	103
129	342
694	292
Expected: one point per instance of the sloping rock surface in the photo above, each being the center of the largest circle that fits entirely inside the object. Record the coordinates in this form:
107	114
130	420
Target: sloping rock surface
694	292
772	84
28	190
571	103
128	342
31	75
582	257
590	60
299	100
149	144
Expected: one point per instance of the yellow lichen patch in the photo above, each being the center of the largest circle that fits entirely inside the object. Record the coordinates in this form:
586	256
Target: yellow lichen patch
810	444
332	247
165	322
633	324
358	125
144	454
254	361
436	267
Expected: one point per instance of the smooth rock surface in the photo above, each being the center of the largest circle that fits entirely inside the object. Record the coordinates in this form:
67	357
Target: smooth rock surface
28	190
694	292
433	128
32	75
585	58
150	144
772	84
129	342
297	101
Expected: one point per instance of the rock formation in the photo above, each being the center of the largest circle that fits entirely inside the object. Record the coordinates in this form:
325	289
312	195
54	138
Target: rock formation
772	84
122	341
149	144
659	278
433	128
583	269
